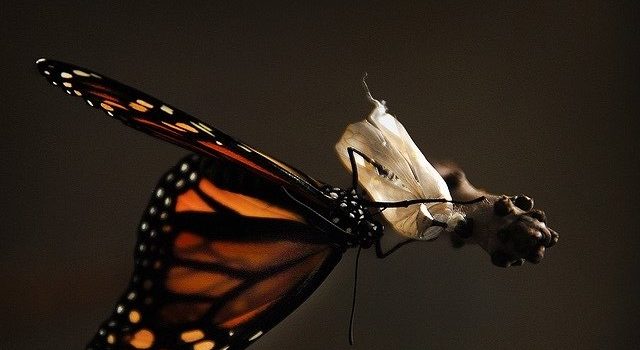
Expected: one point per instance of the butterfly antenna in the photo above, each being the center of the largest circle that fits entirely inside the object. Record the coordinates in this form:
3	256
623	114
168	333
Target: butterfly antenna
404	204
314	212
353	300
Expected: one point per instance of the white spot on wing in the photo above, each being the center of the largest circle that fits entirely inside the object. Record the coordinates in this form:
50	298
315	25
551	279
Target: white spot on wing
256	336
144	103
199	126
166	109
204	126
81	73
245	148
66	75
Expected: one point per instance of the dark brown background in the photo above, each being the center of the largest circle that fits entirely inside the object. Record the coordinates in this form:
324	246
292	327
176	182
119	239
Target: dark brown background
534	98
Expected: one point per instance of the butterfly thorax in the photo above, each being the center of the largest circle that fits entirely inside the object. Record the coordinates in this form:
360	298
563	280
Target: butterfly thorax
350	215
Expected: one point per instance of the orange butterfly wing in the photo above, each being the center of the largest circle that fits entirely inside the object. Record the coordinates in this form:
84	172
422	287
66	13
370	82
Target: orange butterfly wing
222	256
224	252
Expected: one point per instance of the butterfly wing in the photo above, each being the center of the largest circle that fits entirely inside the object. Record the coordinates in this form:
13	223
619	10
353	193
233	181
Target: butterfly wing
222	256
154	117
406	173
224	252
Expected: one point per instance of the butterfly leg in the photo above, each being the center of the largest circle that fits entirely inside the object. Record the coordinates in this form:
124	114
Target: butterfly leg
381	255
507	227
354	167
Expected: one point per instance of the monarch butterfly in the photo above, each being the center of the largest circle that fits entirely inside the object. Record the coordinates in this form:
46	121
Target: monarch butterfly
233	240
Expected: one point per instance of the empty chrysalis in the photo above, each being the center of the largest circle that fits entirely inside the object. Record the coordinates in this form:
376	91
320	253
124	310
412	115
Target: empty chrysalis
396	170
